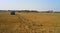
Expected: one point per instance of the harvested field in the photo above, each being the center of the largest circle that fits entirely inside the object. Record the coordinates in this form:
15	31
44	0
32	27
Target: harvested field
29	22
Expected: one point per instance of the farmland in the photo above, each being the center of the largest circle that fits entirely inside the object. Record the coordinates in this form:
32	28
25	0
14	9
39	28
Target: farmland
29	22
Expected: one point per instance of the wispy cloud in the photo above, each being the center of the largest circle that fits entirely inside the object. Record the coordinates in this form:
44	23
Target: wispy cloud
30	4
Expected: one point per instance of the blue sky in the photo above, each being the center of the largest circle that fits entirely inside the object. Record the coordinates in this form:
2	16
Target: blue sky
30	5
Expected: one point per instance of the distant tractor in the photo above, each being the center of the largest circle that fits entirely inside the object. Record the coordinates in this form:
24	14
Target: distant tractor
12	12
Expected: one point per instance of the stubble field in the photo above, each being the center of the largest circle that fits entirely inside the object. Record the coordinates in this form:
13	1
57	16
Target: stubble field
30	22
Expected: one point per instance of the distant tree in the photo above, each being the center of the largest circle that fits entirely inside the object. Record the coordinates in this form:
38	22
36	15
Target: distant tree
49	11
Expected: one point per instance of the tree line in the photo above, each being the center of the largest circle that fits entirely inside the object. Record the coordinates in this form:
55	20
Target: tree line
49	11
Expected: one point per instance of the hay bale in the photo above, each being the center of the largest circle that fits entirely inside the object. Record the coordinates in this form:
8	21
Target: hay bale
12	12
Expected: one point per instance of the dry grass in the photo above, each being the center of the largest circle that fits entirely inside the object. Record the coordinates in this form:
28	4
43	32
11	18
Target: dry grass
29	22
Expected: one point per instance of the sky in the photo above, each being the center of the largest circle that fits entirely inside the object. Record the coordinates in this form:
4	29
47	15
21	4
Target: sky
41	5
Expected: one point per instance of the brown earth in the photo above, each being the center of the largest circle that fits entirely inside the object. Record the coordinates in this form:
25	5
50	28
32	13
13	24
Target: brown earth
29	22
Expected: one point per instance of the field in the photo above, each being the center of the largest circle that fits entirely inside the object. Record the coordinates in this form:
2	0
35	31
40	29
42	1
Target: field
29	22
